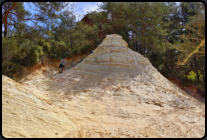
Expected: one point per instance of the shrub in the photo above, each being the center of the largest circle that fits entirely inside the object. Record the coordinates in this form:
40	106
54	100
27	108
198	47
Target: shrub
53	49
193	76
9	50
163	70
35	53
41	42
46	47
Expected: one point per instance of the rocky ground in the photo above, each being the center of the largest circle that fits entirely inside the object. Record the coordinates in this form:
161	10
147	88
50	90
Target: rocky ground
114	92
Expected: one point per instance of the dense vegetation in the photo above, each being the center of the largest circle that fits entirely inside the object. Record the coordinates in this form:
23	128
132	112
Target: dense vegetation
171	35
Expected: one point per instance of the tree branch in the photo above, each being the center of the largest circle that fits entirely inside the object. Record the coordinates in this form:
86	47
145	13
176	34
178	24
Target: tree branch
27	18
8	68
195	51
47	4
2	19
21	17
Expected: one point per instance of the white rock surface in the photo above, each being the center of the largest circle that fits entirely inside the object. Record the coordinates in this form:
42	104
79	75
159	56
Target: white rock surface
114	92
26	115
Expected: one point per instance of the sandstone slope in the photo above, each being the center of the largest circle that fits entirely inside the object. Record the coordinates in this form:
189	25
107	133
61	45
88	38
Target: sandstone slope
114	92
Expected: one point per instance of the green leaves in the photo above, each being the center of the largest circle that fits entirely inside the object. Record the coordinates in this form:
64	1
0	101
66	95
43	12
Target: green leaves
194	35
193	76
46	47
41	42
35	53
9	48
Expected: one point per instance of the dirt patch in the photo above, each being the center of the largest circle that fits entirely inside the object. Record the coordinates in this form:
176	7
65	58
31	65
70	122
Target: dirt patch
192	89
47	67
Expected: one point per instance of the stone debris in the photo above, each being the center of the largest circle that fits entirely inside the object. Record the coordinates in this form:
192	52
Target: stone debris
113	92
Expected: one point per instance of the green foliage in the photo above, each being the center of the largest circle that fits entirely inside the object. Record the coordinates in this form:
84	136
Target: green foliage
62	49
9	49
46	47
53	49
62	45
193	76
163	70
34	54
40	42
17	69
146	27
191	31
58	49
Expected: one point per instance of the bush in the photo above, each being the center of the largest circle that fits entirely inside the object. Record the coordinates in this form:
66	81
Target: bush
58	49
41	42
53	49
193	76
9	50
74	52
46	47
85	48
17	69
163	70
62	50
35	53
62	45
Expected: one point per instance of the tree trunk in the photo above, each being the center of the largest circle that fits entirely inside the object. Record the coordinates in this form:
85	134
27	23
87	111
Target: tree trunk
113	25
167	56
186	75
5	19
136	48
202	71
71	43
203	79
182	18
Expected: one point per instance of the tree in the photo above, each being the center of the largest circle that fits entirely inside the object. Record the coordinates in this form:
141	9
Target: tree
194	38
88	36
15	9
116	17
9	49
67	26
191	42
19	39
100	20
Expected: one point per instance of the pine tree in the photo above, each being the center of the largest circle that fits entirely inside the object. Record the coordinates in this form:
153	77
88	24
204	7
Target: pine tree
17	11
66	27
20	39
191	42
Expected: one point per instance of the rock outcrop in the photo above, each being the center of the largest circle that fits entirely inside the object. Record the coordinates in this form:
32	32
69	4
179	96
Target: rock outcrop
114	92
26	115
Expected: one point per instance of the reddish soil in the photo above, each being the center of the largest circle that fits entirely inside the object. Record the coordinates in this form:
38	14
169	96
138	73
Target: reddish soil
192	89
49	62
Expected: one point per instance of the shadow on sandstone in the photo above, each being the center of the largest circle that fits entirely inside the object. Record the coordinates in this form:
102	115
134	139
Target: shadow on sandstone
94	85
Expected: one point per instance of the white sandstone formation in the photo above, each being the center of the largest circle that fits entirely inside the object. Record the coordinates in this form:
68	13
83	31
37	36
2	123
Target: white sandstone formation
114	92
